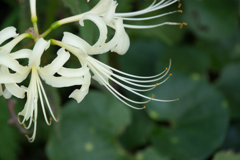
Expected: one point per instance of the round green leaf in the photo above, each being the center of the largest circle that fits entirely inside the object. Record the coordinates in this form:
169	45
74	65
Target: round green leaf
8	136
138	132
205	18
88	130
230	86
198	121
150	154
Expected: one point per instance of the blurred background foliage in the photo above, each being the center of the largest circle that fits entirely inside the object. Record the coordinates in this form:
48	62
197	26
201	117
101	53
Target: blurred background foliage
203	125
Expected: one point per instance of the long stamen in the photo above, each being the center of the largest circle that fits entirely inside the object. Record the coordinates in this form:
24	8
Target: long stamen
130	75
127	88
46	99
42	104
124	79
104	82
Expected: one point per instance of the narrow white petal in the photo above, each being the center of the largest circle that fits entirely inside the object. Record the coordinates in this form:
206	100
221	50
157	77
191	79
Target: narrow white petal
101	7
37	52
61	81
23	53
9	32
9	62
79	94
12	78
117	43
108	16
66	72
75	41
100	24
57	63
16	90
6	94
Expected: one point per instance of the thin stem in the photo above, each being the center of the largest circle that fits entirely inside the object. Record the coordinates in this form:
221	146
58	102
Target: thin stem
61	22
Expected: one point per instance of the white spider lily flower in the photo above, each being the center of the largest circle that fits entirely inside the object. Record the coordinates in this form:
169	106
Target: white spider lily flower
35	89
103	73
6	58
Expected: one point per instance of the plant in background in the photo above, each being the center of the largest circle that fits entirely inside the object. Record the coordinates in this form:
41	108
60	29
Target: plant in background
103	15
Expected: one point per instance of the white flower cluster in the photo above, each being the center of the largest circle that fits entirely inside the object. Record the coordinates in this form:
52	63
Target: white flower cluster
103	15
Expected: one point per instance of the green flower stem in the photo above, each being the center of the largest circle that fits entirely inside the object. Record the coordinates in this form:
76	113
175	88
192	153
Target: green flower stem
61	22
35	26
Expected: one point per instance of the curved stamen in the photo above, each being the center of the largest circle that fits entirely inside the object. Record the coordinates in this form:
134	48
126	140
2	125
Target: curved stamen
153	17
130	75
107	86
146	10
127	88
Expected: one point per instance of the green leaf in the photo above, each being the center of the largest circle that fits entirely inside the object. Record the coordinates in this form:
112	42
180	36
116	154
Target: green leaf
230	86
205	18
8	138
150	154
229	155
88	130
137	134
197	122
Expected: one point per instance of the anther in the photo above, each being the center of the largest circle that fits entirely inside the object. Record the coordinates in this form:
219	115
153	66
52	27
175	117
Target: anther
33	117
156	85
179	5
166	68
23	124
144	107
170	74
180	11
57	119
26	136
153	96
50	118
17	116
177	99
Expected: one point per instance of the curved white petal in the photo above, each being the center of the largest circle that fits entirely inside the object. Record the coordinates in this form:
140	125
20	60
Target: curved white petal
123	45
7	94
9	32
101	7
23	53
12	78
57	63
15	90
61	81
108	16
75	41
100	24
119	43
9	62
37	52
79	94
66	72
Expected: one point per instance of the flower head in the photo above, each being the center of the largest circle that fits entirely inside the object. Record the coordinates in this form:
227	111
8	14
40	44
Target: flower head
35	89
104	73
